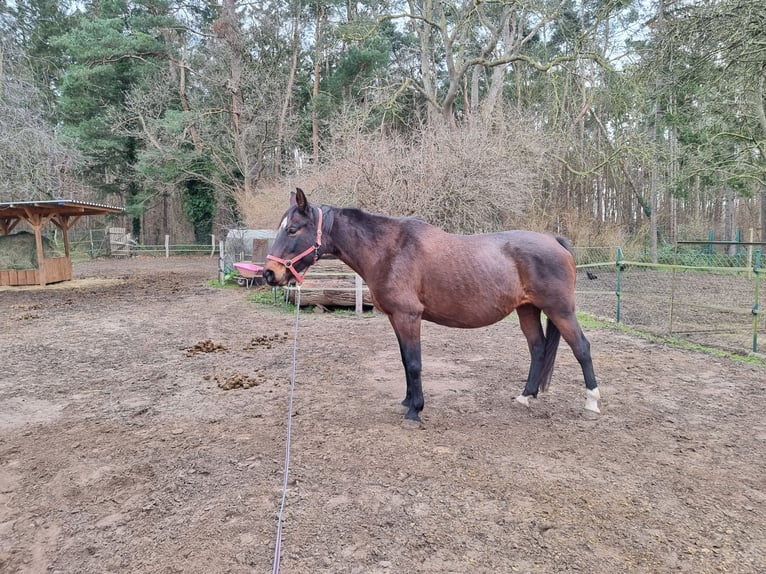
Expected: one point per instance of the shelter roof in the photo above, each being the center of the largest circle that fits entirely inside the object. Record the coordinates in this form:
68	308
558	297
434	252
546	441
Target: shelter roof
48	207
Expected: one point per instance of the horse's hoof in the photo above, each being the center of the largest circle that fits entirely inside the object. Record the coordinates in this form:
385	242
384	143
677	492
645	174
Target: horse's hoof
412	415
523	400
591	400
412	424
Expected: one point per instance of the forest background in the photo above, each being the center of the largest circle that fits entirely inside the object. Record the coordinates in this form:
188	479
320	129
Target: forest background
610	121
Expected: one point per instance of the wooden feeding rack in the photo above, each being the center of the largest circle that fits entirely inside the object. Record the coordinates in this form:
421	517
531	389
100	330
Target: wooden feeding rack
64	213
331	283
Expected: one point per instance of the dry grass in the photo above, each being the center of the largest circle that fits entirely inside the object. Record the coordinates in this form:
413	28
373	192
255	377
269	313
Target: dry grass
263	209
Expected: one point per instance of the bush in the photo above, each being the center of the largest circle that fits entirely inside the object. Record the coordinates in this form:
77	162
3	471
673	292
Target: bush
470	178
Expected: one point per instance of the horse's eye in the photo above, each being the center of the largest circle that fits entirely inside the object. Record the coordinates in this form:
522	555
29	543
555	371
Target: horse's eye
292	230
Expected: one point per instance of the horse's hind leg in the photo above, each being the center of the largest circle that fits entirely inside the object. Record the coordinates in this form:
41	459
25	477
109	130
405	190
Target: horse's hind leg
529	320
573	335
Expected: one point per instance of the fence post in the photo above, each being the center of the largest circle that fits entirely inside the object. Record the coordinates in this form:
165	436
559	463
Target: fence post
212	244
673	287
167	245
221	264
756	301
619	278
359	307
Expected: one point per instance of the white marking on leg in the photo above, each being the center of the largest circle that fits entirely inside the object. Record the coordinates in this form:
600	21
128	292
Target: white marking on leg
591	400
524	400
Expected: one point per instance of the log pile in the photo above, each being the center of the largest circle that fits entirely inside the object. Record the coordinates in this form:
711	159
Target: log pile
330	293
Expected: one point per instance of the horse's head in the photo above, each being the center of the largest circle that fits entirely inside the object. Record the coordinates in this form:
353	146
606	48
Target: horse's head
297	244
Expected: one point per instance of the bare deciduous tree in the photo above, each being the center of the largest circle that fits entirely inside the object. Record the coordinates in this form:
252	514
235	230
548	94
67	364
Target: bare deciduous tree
34	164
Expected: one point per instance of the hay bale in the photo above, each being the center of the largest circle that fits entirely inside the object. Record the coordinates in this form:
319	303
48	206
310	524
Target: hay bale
18	250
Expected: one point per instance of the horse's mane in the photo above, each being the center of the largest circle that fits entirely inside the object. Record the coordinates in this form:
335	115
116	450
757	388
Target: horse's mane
357	214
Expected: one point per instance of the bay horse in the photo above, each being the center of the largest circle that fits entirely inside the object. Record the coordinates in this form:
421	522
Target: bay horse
416	271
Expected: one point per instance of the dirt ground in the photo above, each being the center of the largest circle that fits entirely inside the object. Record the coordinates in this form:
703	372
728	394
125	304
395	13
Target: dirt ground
120	452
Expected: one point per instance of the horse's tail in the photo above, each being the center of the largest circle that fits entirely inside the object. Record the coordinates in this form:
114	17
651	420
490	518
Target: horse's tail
552	334
552	338
566	244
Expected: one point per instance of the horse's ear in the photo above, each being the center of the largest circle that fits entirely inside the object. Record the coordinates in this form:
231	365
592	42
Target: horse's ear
300	199
292	198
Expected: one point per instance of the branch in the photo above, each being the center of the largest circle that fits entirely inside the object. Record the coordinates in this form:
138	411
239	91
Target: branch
148	134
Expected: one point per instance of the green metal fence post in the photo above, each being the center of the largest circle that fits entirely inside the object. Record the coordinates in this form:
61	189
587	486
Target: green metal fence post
756	310
739	241
619	270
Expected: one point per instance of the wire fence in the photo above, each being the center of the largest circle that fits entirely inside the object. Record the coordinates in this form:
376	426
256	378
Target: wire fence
706	293
97	243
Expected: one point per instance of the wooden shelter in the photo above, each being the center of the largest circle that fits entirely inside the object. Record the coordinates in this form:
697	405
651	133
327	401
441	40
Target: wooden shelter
62	212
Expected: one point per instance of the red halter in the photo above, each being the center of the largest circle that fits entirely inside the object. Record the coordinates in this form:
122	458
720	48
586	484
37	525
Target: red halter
315	248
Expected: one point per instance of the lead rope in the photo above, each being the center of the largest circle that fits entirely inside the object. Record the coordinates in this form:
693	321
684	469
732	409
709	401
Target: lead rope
278	544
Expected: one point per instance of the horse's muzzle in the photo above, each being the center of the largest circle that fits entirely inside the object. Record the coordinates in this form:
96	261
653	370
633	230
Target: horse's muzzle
275	274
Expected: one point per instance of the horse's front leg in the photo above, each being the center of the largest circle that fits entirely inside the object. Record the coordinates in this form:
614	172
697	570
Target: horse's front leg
407	329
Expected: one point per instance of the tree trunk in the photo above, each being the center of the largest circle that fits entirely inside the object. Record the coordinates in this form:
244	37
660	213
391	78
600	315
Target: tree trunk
426	9
655	137
317	80
288	89
760	107
496	82
763	216
475	76
227	28
729	223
